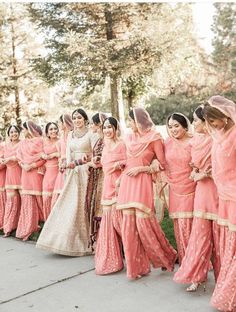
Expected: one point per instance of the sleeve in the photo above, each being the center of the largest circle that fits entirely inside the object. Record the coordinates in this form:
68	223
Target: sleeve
159	152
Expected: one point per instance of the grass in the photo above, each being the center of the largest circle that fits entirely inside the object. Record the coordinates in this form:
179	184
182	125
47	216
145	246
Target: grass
168	228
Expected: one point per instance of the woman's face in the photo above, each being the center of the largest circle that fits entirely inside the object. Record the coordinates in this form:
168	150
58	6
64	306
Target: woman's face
133	125
217	124
78	120
13	134
52	131
176	130
108	130
198	124
94	127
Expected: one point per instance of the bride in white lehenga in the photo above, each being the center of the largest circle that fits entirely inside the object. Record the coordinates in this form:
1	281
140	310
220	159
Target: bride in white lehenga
66	230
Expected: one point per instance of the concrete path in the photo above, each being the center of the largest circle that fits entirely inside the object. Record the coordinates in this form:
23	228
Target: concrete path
36	281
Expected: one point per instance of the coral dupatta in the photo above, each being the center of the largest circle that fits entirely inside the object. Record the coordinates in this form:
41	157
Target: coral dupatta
30	150
201	151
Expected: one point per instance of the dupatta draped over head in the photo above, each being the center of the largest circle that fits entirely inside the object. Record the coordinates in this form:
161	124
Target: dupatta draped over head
137	142
67	120
224	151
30	150
225	106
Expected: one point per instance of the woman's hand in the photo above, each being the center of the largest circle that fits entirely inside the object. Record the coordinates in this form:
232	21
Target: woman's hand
71	165
134	171
45	156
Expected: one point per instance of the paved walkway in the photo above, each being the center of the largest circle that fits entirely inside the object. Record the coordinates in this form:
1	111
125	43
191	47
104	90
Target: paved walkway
34	280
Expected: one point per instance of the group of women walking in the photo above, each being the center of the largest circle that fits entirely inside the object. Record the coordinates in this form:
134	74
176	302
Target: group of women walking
94	189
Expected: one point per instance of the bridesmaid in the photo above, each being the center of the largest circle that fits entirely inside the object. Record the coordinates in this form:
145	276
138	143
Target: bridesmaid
220	114
108	256
93	208
29	157
143	239
181	187
2	183
50	155
65	126
204	238
13	181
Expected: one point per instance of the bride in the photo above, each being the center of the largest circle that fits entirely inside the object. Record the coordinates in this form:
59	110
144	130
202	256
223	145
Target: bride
66	231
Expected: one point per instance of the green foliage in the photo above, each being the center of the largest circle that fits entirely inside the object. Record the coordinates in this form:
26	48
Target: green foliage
160	108
168	228
225	36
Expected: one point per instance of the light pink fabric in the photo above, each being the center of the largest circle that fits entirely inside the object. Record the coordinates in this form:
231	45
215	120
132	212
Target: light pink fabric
224	296
2	207
182	230
142	237
29	152
2	186
29	216
137	192
13	185
108	256
108	161
50	177
195	264
224	174
137	262
12	213
13	172
181	187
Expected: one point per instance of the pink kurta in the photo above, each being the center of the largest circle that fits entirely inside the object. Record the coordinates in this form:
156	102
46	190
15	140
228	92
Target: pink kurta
60	179
2	186
224	174
108	256
29	152
13	186
142	237
204	238
181	190
50	176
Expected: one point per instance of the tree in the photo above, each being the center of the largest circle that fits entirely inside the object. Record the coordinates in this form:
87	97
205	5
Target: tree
90	43
19	44
224	42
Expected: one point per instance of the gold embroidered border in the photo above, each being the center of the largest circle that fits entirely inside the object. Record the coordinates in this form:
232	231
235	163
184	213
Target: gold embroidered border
47	193
51	166
108	202
181	215
129	212
12	187
205	215
56	191
106	208
28	192
225	222
134	205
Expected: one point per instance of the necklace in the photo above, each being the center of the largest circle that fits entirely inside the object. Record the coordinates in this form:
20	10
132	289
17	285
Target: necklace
79	134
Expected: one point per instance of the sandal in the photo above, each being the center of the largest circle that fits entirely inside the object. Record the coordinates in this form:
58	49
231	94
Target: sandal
194	286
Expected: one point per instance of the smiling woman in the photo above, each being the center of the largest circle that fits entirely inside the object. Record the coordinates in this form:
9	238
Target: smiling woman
66	230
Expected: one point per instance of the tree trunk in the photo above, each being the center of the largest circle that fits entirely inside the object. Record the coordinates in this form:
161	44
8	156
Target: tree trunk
14	69
117	107
130	102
